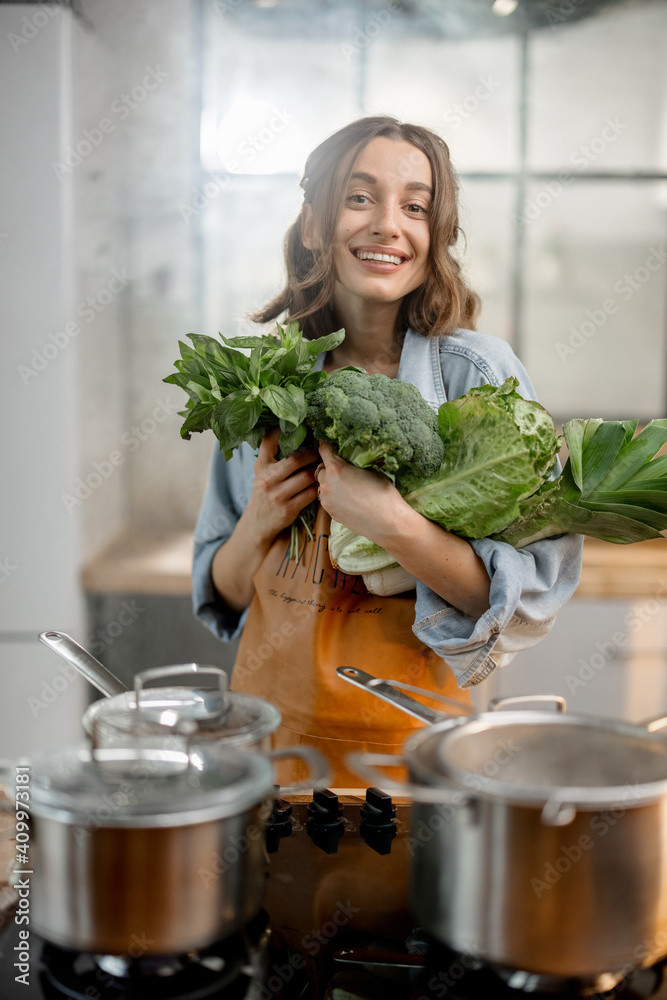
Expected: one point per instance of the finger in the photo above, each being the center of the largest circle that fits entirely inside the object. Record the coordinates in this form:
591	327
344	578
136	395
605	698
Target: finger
327	452
301	458
268	448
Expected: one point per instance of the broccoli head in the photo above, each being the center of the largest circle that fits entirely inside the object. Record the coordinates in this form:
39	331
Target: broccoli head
378	423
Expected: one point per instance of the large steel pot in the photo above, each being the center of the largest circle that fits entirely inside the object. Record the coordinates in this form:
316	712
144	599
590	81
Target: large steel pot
140	851
539	840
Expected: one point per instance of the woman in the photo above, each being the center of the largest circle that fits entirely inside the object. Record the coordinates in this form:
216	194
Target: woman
371	252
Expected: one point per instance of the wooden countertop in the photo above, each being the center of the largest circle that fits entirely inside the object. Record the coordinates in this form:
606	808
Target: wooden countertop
162	566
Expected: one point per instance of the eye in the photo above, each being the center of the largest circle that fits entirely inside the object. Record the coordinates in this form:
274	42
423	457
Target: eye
358	199
416	209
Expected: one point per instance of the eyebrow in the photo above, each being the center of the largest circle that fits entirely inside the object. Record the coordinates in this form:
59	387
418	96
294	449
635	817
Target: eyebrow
411	185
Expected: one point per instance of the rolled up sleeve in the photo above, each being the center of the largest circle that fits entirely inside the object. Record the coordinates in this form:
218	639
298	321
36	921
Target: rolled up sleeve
528	588
227	494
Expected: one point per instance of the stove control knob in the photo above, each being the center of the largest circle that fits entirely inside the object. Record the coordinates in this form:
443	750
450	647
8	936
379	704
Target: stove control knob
325	821
378	820
278	824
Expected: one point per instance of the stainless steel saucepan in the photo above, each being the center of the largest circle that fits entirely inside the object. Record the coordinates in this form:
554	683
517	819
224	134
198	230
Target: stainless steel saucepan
156	850
539	839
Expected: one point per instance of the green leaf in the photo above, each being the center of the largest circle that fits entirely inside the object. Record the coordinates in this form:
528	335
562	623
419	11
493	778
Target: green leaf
289	441
197	420
232	419
266	340
287	402
654	499
574	438
328	343
599	453
655	518
486	470
635	454
654	470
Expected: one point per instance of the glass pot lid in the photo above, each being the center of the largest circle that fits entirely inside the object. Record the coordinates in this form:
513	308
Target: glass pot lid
537	756
142	786
245	718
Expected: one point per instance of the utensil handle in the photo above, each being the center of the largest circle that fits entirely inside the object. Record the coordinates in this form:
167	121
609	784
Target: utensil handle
320	773
94	671
392	693
365	764
559	703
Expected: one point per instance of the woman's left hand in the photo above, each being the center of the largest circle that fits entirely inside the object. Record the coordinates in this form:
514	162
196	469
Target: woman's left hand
365	501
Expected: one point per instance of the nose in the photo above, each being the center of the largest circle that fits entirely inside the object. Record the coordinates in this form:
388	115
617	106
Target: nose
385	220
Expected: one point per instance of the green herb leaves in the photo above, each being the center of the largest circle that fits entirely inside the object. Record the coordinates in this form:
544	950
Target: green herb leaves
612	486
239	396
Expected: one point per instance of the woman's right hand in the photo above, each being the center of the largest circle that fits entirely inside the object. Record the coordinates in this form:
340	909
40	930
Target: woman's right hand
282	487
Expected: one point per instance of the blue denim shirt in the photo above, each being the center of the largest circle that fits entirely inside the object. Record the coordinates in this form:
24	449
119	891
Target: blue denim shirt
528	585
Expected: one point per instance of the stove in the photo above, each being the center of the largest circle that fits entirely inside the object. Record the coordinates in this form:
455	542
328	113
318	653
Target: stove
449	974
231	969
337	922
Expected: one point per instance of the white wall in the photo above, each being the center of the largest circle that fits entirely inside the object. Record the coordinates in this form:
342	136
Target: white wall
39	539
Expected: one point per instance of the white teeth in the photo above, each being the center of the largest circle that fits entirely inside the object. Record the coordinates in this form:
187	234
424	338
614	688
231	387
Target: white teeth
389	258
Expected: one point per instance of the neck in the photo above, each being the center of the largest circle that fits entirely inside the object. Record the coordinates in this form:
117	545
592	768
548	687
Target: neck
372	338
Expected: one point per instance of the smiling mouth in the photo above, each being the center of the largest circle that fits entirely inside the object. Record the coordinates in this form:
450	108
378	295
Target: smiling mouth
384	258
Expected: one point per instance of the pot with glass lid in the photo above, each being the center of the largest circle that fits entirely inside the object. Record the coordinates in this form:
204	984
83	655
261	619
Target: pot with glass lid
539	839
152	848
237	719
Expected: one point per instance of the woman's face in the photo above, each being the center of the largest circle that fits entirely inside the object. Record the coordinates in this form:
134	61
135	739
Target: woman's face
385	214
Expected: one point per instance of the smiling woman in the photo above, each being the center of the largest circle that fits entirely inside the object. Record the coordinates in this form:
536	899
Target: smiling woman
371	251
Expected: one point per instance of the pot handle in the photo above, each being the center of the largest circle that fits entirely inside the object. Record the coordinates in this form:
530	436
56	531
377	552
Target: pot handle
157	673
499	704
320	773
365	763
388	691
557	812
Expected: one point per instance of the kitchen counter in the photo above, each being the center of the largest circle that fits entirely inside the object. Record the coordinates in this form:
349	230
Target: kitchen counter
162	566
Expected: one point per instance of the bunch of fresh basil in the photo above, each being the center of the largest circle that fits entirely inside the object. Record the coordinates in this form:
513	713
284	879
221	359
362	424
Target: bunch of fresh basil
240	396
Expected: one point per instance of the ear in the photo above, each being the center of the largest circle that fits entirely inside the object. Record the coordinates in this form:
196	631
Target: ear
308	237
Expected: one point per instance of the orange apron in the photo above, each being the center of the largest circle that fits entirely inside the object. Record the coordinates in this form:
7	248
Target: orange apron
305	620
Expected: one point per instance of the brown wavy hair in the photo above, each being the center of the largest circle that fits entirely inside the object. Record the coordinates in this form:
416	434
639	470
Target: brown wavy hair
440	305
